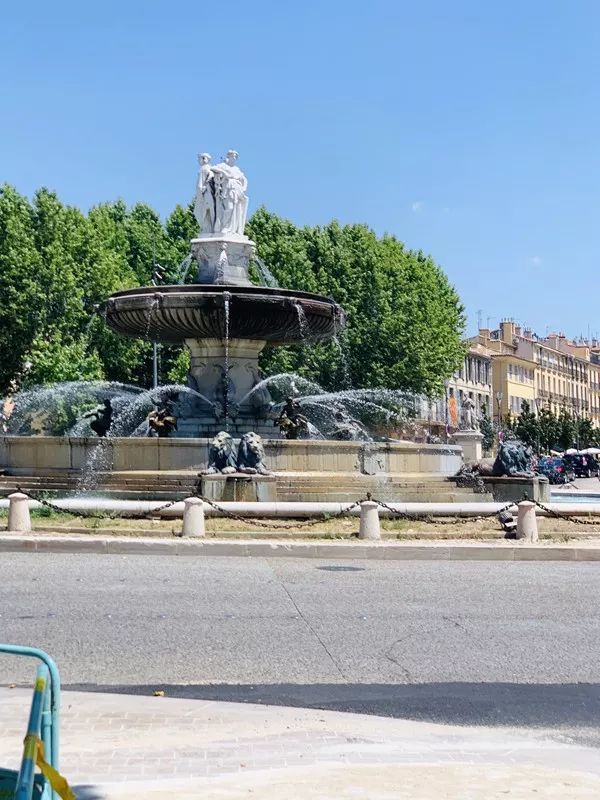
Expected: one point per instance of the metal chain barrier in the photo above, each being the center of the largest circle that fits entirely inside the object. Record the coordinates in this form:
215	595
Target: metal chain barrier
568	517
304	523
435	520
94	514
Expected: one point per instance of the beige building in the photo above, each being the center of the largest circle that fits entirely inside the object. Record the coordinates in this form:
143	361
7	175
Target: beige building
548	372
473	379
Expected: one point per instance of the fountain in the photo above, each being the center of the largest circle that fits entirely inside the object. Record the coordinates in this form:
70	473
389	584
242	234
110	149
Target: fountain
318	445
223	319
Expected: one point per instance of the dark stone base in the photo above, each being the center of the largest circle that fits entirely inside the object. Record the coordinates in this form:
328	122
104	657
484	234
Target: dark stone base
238	487
506	490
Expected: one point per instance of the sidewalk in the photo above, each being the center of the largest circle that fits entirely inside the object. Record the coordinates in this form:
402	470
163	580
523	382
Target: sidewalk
121	747
450	549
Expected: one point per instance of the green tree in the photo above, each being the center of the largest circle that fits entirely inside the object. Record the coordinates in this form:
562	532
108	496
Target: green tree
53	360
22	296
566	437
57	265
527	426
405	320
586	435
486	427
549	427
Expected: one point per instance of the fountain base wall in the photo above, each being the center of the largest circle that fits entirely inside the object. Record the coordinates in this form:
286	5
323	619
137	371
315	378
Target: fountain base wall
56	453
311	470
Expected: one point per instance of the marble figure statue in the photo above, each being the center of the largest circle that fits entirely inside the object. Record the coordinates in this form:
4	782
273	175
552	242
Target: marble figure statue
205	205
467	414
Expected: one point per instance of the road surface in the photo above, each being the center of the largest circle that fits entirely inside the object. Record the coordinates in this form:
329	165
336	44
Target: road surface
507	643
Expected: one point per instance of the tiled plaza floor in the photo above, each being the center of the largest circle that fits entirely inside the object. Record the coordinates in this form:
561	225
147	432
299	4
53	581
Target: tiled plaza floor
122	746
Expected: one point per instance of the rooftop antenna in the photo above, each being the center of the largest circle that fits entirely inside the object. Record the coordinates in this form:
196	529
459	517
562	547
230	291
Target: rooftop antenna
479	318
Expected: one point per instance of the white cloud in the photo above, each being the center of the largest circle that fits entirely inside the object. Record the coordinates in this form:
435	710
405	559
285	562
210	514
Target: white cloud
535	261
417	206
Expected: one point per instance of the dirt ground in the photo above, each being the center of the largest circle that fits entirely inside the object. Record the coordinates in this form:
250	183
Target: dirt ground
46	521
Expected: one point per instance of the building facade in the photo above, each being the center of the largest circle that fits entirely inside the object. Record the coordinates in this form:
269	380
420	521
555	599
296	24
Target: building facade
550	372
474	380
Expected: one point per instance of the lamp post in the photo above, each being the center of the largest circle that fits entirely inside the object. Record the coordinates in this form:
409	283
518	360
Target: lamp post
499	397
446	384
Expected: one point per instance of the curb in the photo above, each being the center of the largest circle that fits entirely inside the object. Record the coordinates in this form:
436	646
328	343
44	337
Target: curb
381	550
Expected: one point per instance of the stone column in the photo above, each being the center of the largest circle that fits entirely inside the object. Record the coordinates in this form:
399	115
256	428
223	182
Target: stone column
207	369
369	527
19	519
527	521
193	517
470	441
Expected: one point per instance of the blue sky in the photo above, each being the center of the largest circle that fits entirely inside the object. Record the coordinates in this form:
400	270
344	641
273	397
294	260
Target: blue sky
467	129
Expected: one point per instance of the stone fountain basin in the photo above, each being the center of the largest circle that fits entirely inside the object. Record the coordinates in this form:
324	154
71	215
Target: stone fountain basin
176	313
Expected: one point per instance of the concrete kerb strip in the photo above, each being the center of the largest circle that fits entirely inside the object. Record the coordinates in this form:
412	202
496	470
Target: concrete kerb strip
380	550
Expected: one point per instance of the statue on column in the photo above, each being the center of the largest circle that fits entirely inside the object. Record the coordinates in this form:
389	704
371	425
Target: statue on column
205	205
231	197
467	414
221	201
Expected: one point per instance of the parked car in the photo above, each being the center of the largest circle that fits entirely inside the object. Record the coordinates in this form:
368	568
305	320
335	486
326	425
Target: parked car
555	469
582	465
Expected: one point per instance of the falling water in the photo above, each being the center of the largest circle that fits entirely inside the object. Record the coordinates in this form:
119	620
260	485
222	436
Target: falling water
303	325
151	309
284	384
182	270
57	409
99	460
343	360
265	273
93	315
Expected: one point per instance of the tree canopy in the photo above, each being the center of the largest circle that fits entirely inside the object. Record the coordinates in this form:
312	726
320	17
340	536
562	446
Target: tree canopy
405	320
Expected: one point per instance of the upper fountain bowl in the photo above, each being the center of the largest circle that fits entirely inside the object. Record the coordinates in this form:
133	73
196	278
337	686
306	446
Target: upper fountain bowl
197	311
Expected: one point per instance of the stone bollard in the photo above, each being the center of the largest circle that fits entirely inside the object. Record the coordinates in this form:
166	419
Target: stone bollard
19	520
527	521
193	517
369	521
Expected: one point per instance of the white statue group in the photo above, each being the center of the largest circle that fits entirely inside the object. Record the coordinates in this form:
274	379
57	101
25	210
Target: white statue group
221	201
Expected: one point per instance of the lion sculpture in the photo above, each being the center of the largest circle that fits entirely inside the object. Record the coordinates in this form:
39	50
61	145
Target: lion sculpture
513	460
221	456
251	455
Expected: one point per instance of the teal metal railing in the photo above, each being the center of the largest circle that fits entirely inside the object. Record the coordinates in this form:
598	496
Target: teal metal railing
44	723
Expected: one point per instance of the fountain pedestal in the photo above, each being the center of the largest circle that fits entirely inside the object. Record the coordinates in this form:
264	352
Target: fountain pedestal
470	441
213	362
239	487
223	259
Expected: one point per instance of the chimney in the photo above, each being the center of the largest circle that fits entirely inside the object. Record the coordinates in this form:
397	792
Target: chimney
507	331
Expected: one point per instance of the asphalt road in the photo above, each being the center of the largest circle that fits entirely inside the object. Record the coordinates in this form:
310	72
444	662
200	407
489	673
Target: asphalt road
506	643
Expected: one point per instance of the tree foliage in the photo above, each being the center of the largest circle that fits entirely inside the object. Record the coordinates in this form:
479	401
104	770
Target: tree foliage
486	427
548	431
405	320
527	428
57	264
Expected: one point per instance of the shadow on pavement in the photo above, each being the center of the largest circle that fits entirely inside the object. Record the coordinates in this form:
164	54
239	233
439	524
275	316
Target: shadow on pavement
85	792
567	705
